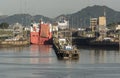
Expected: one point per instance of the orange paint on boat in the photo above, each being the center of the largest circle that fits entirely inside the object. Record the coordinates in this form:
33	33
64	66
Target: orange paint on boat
41	34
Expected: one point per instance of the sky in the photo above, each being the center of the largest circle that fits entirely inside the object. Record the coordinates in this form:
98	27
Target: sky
51	8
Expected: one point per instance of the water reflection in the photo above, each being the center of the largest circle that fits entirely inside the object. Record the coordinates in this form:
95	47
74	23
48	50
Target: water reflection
33	54
41	62
42	54
11	49
98	56
95	55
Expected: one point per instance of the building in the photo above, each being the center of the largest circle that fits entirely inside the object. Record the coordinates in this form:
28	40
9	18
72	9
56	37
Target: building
17	29
93	24
102	26
118	27
102	21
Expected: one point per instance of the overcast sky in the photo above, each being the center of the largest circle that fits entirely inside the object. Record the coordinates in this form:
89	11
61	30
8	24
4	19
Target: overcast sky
51	8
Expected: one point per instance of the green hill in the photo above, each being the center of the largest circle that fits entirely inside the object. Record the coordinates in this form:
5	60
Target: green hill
78	19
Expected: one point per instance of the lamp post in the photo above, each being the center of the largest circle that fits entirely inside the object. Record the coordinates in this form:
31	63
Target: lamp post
119	40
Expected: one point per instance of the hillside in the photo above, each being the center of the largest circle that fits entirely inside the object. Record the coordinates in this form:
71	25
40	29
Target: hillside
82	18
78	19
24	19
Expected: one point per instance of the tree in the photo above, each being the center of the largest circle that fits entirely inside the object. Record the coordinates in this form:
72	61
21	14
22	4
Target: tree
4	25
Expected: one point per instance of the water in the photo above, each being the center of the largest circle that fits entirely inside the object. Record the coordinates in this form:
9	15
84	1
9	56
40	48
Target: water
41	62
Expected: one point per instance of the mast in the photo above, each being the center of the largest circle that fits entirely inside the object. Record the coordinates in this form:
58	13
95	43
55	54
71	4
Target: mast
39	32
70	30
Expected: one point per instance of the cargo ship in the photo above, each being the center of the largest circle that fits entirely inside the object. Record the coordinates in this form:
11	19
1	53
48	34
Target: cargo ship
41	33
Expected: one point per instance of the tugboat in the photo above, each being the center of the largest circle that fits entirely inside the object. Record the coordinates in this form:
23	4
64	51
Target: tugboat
64	50
41	33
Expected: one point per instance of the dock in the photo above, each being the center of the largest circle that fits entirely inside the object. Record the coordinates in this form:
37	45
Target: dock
15	43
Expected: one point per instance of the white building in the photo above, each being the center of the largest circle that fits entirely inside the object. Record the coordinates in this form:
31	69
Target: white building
118	27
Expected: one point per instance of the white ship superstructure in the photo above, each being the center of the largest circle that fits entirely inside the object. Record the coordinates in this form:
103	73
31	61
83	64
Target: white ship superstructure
63	24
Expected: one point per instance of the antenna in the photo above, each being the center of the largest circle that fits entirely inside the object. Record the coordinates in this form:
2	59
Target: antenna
104	11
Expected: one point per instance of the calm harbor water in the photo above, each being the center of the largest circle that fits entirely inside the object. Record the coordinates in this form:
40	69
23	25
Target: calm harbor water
41	62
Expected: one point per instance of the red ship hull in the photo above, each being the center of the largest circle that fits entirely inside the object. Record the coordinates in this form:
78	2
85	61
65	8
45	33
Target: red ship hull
43	36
